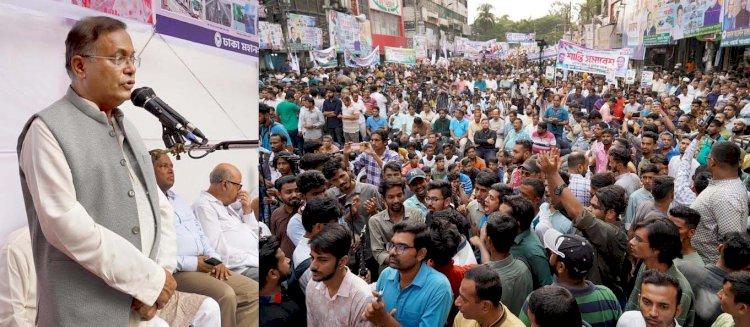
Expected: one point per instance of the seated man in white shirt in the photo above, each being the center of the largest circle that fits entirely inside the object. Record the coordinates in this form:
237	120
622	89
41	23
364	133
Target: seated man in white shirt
18	292
225	214
237	295
659	302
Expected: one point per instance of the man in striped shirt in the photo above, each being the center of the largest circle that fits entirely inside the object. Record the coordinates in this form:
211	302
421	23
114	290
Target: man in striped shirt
571	257
542	139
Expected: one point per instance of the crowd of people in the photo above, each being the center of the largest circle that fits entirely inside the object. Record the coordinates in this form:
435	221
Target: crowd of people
480	193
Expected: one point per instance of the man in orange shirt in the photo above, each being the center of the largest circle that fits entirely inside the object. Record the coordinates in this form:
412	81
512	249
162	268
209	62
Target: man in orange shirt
471	153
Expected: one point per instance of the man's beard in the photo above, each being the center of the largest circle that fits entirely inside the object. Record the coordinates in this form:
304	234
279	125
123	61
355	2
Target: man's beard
294	203
325	277
396	207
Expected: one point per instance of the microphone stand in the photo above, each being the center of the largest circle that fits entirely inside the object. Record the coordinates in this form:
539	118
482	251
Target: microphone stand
225	145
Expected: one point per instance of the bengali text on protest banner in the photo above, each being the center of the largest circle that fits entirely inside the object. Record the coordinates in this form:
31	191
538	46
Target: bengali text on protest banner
231	26
520	37
346	32
697	17
736	28
573	57
302	33
400	56
139	10
270	36
387	6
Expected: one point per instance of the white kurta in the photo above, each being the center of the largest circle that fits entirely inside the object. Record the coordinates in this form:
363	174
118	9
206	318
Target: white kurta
69	228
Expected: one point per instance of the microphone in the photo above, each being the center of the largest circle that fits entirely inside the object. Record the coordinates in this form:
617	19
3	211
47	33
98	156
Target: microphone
145	98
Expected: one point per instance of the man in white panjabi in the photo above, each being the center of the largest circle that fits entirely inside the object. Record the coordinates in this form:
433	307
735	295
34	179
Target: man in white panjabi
18	292
102	233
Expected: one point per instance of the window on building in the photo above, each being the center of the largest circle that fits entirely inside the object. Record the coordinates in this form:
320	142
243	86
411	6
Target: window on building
307	6
384	24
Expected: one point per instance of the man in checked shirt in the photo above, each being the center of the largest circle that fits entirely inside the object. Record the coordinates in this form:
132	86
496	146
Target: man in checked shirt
374	156
723	204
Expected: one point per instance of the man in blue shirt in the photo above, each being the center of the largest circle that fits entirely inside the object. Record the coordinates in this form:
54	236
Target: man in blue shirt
374	122
409	292
237	295
268	127
556	117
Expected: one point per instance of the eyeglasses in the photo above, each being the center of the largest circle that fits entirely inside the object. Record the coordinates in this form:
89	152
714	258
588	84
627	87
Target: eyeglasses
238	184
119	61
399	248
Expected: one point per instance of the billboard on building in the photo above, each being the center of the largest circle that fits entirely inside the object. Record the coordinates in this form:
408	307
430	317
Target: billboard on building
387	6
232	26
270	36
659	22
346	32
735	30
302	33
698	17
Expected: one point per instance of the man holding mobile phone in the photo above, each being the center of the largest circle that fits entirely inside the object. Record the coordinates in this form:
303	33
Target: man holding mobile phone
199	267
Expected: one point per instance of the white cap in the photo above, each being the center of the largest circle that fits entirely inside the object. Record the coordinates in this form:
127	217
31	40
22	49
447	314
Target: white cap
685	79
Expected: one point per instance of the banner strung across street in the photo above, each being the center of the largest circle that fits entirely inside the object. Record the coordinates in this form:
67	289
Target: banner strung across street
302	33
324	58
400	55
369	60
520	37
575	58
346	32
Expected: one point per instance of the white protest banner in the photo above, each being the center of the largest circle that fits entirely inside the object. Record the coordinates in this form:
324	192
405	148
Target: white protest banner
579	59
549	73
325	57
630	77
520	37
647	78
400	55
369	60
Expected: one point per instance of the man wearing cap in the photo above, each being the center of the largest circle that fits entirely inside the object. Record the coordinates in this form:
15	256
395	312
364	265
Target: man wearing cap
417	181
571	258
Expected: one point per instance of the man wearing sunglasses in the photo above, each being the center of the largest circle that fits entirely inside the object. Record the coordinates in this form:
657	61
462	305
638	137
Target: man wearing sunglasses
224	212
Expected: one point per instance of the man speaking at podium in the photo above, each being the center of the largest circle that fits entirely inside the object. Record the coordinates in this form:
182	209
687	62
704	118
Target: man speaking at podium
101	231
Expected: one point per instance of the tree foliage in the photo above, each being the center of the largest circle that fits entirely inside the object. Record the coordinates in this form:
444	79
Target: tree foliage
562	16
